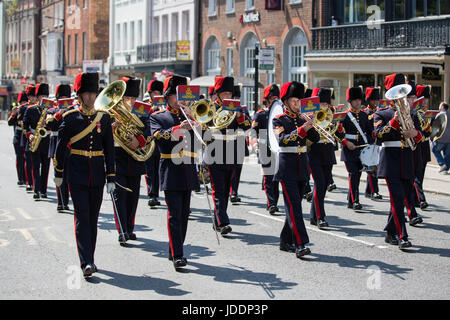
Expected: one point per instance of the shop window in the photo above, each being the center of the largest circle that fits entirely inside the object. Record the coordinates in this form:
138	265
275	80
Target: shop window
247	66
295	47
212	56
365	80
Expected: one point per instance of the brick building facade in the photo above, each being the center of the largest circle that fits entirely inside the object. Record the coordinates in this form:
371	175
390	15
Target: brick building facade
230	29
86	34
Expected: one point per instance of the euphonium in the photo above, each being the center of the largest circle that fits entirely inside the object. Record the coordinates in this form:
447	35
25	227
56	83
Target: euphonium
40	131
398	95
110	101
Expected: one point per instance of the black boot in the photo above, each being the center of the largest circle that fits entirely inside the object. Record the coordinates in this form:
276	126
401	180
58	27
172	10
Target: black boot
301	251
391	239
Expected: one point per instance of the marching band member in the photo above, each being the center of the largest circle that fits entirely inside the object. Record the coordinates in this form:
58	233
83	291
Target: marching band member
128	169
396	165
90	163
39	158
308	192
321	160
237	175
292	131
32	99
332	185
155	88
410	198
265	157
373	99
13	121
358	131
62	91
177	169
222	164
421	201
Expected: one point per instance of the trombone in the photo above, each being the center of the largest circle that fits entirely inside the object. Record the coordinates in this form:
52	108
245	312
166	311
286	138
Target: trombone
321	120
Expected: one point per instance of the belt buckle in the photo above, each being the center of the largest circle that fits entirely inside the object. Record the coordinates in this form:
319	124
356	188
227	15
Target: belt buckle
299	150
180	153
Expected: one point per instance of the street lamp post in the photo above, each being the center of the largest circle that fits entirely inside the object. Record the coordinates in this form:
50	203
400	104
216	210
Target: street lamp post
255	105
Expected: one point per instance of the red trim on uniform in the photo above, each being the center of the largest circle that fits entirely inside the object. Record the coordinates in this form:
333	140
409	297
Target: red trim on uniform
417	191
241	119
394	212
394	124
408	208
418	137
344	142
142	141
350	183
301	132
371	183
265	191
291	214
116	216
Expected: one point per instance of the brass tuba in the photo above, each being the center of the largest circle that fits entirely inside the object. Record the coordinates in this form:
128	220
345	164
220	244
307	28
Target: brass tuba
110	101
438	127
398	95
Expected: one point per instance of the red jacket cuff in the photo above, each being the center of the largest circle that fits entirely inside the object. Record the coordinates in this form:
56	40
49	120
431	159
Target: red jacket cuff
394	124
28	135
58	116
301	132
418	137
241	119
344	142
142	141
175	133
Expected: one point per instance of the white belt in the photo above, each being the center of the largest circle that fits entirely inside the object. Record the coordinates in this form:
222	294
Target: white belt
262	140
293	149
32	131
323	141
391	144
226	137
427	139
53	133
350	136
18	128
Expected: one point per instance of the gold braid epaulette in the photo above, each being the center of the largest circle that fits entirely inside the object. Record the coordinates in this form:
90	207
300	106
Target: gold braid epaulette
69	112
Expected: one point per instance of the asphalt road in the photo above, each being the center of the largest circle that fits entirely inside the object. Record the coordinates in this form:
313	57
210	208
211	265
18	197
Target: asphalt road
350	260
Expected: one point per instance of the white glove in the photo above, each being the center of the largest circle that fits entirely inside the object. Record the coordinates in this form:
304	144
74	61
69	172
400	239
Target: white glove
58	181
110	187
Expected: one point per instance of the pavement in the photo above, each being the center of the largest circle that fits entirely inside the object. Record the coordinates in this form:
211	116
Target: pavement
349	260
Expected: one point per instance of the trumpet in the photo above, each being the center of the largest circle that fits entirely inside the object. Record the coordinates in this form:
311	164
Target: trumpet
321	122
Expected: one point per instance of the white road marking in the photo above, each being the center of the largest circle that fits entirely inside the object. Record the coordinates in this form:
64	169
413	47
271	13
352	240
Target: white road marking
24	214
322	231
50	236
3	242
27	235
7	215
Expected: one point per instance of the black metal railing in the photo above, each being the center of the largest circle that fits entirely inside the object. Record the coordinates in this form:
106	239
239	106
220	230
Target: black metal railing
157	51
426	33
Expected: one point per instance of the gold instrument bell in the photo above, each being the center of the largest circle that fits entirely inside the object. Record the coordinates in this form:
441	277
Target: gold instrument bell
110	101
203	111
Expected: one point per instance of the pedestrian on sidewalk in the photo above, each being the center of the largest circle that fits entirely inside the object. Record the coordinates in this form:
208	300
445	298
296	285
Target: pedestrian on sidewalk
441	147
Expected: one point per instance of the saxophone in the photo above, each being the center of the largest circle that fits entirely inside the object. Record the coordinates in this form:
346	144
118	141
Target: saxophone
40	132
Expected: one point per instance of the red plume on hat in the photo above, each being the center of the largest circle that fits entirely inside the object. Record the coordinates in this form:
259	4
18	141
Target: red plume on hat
354	94
271	91
372	93
315	92
133	86
224	84
292	89
22	97
393	80
155	85
423	91
30	91
86	82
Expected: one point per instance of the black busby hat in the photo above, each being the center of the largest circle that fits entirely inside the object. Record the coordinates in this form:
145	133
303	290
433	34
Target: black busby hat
308	93
31	90
133	86
292	89
271	91
22	97
237	92
86	82
325	95
224	84
423	91
42	89
155	85
354	93
393	80
413	86
373	93
171	83
63	90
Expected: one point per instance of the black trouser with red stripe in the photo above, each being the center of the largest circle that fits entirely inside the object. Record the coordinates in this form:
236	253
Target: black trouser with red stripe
29	168
127	202
372	183
398	190
294	230
20	162
86	203
272	190
41	166
321	176
410	200
354	177
178	205
62	192
236	180
152	176
221	176
418	184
